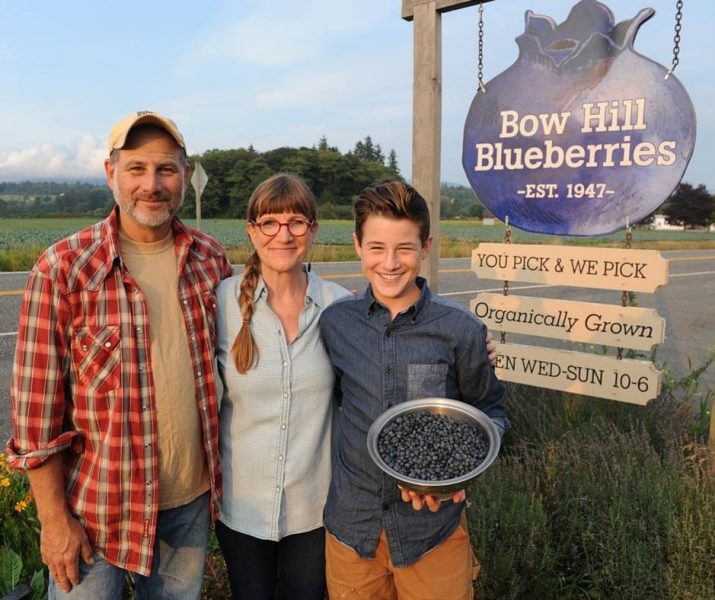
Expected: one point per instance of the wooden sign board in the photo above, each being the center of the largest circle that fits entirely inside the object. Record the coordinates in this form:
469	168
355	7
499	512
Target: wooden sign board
625	380
588	322
602	268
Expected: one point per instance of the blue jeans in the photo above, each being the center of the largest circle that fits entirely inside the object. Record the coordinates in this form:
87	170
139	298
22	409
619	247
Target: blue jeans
177	570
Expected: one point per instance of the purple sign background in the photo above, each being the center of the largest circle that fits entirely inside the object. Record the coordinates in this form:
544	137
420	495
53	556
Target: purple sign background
581	135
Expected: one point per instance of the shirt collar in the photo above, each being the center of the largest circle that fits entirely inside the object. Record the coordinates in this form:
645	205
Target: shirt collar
111	229
313	293
315	290
412	313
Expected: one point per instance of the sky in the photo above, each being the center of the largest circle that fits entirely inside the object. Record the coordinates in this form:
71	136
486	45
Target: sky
272	73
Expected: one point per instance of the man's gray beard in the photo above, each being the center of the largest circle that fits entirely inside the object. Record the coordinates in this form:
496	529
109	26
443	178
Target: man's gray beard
153	220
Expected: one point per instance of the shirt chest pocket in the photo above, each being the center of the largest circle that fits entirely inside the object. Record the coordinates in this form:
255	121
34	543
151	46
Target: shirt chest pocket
427	381
96	358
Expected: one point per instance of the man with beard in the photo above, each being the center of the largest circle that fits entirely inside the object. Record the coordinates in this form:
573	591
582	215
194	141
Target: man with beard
113	393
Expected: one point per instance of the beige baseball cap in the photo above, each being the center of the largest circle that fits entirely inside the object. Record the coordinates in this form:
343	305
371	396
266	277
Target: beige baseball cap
118	133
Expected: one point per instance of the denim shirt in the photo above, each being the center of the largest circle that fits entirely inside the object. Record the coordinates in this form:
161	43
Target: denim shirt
435	348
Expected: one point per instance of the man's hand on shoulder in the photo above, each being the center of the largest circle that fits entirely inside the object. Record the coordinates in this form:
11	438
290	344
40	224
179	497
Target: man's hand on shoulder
491	349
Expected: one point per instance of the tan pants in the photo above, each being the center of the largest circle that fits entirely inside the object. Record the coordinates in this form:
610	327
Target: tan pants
445	573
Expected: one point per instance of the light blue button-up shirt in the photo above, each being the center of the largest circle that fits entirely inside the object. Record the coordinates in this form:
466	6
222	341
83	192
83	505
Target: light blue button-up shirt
275	421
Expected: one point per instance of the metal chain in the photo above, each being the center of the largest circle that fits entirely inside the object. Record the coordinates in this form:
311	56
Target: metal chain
507	240
480	37
625	295
676	38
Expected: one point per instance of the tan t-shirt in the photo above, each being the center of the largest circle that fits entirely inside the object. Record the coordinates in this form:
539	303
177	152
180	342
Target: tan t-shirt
183	472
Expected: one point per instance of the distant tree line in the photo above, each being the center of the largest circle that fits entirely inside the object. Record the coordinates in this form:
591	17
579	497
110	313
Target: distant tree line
50	198
335	178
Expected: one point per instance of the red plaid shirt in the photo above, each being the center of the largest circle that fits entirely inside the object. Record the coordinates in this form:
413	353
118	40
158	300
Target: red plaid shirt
82	381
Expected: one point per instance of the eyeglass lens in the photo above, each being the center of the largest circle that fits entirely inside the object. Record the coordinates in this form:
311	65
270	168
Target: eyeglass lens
296	227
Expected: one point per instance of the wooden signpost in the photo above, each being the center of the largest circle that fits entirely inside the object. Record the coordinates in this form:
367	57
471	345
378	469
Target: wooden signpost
585	322
614	378
427	110
632	381
602	268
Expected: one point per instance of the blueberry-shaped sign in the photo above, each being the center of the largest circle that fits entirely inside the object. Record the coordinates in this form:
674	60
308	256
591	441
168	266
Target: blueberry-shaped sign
581	135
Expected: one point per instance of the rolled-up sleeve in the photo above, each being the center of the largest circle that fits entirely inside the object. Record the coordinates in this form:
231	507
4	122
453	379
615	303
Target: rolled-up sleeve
39	380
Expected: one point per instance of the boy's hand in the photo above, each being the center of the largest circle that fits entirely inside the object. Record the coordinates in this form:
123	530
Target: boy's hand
418	500
491	349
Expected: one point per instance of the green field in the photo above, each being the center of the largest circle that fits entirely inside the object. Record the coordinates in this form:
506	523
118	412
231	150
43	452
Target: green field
23	240
21	233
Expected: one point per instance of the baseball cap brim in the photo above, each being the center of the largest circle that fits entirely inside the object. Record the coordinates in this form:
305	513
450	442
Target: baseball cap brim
120	131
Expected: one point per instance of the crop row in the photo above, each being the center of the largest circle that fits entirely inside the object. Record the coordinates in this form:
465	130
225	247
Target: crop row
19	233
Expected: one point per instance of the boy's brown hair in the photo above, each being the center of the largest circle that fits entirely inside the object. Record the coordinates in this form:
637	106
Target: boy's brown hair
393	199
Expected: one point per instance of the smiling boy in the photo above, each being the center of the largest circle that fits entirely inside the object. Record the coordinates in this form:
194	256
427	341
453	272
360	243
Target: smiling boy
396	342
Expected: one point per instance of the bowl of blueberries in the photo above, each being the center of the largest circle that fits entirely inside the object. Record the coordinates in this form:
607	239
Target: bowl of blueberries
433	446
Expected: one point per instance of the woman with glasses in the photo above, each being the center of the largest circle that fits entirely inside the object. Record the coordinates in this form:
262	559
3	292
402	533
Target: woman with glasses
277	405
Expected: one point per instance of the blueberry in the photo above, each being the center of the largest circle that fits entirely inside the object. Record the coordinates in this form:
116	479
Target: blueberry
430	446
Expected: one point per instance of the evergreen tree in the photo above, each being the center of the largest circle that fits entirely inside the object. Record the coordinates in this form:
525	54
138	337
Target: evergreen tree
392	162
689	207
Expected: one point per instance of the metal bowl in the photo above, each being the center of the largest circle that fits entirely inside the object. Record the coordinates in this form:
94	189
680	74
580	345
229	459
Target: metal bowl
459	411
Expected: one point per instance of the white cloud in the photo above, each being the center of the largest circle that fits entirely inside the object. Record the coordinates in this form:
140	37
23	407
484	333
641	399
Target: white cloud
83	159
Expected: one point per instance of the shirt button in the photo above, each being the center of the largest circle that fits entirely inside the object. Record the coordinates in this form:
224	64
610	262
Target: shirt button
280	457
285	395
385	506
388	370
139	330
388	334
85	347
283	426
285	363
107	344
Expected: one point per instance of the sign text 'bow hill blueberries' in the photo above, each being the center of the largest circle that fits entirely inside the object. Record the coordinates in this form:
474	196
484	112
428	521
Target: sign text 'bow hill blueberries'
581	135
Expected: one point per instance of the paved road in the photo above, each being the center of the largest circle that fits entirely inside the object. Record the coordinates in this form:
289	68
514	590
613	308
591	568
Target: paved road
685	303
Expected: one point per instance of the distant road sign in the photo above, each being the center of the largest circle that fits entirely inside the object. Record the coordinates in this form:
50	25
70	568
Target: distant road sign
199	178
